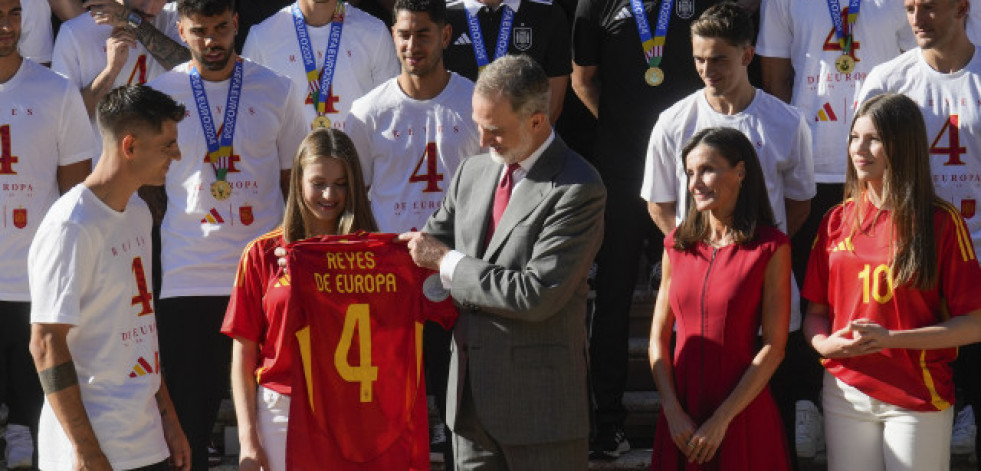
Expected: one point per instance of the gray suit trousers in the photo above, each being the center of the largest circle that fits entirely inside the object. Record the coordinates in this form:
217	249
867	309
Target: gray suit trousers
475	450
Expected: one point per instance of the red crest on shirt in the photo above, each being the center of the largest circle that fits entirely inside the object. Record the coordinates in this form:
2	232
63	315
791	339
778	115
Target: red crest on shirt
245	215
968	207
20	218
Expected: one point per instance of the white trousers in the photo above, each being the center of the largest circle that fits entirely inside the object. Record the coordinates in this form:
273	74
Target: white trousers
272	413
867	434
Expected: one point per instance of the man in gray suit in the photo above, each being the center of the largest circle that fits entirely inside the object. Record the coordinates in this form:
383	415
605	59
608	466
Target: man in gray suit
524	223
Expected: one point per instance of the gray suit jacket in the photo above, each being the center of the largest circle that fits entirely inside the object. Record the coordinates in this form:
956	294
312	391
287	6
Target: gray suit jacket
521	335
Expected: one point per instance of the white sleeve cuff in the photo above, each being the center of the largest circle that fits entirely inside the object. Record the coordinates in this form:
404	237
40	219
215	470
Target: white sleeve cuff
448	266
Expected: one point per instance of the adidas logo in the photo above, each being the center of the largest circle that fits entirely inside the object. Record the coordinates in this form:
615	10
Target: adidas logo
623	14
212	217
463	40
143	368
826	113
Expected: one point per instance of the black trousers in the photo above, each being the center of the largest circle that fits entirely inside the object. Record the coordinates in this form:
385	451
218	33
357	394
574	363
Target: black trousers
196	361
627	226
20	388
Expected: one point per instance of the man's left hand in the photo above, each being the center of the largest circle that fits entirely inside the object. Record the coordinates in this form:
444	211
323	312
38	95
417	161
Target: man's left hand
426	250
180	450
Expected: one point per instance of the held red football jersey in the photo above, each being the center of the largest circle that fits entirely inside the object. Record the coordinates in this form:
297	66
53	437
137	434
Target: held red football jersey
359	395
850	273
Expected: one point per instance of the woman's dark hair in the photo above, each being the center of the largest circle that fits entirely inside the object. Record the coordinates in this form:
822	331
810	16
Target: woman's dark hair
752	205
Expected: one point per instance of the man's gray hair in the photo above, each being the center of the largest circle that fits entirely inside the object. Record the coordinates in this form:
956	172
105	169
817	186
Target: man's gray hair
520	79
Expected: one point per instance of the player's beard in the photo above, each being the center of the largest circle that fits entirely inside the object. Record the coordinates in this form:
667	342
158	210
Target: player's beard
6	51
218	64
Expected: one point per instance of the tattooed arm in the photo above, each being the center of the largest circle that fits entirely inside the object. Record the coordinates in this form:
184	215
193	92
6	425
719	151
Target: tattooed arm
56	370
166	51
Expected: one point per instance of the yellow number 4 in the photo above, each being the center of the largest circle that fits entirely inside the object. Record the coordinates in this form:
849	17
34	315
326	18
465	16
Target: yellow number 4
357	318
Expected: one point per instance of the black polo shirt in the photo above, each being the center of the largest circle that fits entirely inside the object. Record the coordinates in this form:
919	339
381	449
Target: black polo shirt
540	30
605	35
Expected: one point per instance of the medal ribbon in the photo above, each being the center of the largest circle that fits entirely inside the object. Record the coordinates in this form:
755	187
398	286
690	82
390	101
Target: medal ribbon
219	148
844	37
647	41
660	32
477	38
319	81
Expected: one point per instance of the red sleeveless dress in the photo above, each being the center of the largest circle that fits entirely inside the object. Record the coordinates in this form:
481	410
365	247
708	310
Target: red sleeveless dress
716	297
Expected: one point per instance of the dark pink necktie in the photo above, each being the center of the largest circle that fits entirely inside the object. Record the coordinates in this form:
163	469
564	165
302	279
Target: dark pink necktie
501	198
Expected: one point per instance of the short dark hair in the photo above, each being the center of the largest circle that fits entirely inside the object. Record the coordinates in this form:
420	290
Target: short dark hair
753	203
204	7
129	108
435	8
726	20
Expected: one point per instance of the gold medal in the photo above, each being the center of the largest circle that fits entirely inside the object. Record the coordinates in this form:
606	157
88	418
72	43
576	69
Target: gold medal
845	64
654	76
320	122
221	190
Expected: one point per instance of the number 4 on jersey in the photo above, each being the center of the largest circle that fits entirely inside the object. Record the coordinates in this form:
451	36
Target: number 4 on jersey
143	296
953	149
7	159
432	177
357	318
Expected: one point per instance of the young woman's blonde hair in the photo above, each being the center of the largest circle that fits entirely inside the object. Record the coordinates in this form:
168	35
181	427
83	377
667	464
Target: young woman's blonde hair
327	143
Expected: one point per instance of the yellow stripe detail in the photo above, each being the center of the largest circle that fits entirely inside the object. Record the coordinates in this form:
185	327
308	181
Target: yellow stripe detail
963	237
139	370
935	399
240	273
306	357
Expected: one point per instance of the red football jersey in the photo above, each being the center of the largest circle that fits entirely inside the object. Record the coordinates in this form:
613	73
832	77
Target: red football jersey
359	397
851	274
257	311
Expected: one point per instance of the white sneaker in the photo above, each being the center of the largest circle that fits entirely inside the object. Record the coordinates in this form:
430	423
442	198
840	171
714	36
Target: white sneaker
809	430
962	438
20	447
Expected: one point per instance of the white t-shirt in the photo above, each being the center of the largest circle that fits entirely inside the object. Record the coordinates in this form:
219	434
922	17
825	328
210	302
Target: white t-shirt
36	35
779	134
366	58
410	149
943	99
802	31
202	237
90	267
44	126
80	53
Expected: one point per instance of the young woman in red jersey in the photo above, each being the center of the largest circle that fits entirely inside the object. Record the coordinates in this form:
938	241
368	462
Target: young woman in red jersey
890	283
327	196
725	277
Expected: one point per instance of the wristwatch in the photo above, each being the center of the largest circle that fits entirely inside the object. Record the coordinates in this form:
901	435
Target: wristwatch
134	19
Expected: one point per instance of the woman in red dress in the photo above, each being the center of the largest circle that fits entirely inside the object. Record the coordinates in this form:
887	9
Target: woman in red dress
726	276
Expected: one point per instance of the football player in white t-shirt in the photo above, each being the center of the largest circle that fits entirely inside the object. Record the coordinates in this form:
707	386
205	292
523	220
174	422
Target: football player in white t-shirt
777	130
364	56
413	130
46	148
218	200
117	44
943	76
93	337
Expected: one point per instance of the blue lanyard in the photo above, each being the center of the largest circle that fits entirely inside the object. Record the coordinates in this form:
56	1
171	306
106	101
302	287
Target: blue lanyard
319	81
219	149
477	38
